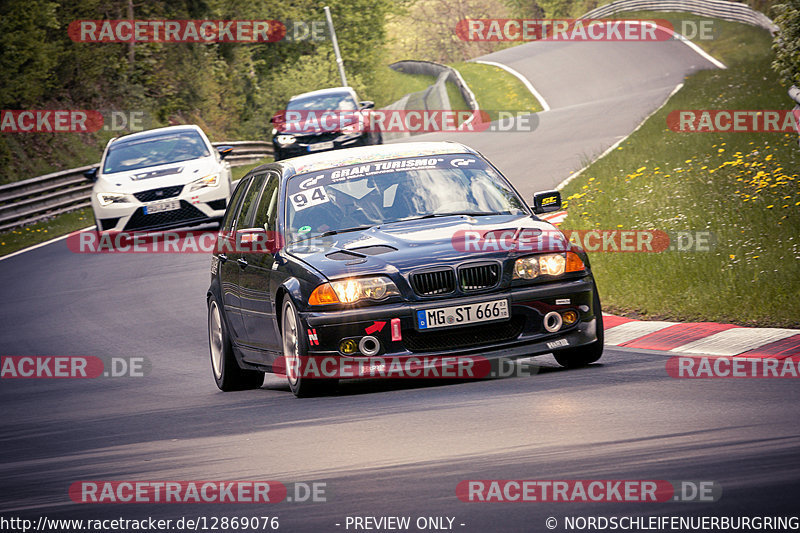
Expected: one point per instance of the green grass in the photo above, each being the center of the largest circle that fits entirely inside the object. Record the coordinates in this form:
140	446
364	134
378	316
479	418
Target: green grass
742	187
17	239
494	88
497	90
239	172
395	85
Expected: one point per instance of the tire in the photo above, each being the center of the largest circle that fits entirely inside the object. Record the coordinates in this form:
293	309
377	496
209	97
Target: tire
228	375
585	355
294	350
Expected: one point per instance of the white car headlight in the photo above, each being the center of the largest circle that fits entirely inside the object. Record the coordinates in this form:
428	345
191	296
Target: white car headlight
108	198
285	139
352	290
207	181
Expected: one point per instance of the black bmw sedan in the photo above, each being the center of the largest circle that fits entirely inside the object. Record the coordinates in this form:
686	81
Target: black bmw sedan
407	255
327	119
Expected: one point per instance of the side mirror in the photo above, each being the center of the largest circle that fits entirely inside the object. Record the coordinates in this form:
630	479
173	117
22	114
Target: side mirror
256	240
91	174
546	202
224	151
366	104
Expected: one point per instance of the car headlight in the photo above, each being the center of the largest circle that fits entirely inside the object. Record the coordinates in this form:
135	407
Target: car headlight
351	128
108	198
208	181
285	139
547	264
352	290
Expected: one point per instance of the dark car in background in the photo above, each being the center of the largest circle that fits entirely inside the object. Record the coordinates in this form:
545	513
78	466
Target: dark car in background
366	237
303	127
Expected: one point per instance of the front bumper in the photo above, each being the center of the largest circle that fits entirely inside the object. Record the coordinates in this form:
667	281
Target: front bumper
195	208
305	147
522	334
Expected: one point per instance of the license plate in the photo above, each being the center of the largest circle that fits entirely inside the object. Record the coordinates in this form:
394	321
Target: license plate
459	315
328	145
160	207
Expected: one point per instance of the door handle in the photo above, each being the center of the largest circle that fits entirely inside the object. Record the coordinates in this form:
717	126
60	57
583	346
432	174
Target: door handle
242	262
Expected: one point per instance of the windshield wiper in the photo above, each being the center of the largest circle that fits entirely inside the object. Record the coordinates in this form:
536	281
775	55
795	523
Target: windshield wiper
345	230
439	215
334	232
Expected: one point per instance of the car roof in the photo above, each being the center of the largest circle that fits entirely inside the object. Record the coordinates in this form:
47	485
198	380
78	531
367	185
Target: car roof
139	135
325	92
361	154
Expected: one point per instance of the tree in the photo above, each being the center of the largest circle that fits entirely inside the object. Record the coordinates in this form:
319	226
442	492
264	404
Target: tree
787	42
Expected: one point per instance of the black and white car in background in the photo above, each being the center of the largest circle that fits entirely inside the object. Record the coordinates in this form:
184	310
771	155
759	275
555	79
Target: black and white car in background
158	179
304	127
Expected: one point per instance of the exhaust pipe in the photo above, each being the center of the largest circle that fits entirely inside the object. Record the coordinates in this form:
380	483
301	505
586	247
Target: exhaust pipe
369	346
552	321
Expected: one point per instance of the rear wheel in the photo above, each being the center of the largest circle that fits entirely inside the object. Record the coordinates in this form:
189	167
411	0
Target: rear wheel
294	351
228	375
585	355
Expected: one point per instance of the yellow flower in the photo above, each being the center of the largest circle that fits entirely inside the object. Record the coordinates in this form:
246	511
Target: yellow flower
732	256
770	206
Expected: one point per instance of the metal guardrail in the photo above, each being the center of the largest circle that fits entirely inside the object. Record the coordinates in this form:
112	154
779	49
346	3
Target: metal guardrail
721	9
35	199
410	66
435	96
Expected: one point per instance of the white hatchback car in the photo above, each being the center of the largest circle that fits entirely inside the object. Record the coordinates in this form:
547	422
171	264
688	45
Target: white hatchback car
158	179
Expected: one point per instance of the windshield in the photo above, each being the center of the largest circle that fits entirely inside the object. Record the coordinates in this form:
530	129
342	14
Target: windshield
152	151
332	102
384	192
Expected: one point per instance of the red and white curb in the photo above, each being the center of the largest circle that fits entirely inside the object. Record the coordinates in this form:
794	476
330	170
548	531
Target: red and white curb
554	218
701	338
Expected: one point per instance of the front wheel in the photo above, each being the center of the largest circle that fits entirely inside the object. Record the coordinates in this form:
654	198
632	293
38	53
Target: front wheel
585	355
228	375
294	351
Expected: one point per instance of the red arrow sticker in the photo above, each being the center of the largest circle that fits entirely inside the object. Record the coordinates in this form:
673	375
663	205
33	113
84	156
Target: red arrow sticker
376	326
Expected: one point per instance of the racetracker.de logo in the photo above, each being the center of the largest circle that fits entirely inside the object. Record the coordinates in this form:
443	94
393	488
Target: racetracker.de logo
174	242
734	120
72	367
500	30
722	367
50	120
293	122
176	31
587	491
177	492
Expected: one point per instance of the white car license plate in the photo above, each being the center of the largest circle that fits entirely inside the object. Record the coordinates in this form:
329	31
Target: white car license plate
172	205
328	145
459	315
